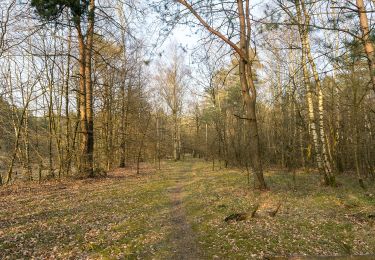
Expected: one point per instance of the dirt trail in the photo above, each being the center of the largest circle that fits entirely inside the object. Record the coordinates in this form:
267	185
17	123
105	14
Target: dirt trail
185	245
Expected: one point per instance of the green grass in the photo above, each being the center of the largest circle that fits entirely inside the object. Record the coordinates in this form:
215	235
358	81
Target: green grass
105	218
130	217
312	220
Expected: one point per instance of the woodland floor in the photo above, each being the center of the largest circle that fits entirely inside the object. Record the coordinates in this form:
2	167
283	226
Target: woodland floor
178	213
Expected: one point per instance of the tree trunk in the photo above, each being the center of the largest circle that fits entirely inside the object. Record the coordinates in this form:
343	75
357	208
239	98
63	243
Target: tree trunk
176	152
125	106
158	141
108	123
123	127
309	92
329	177
254	147
367	43
206	142
249	96
16	145
124	103
50	127
83	160
246	80
86	94
89	91
68	156
27	148
320	146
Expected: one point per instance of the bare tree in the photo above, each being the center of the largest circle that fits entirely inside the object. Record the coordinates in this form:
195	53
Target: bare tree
171	79
237	18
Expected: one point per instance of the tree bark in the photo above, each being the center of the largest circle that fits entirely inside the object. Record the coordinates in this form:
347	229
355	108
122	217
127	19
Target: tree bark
68	156
176	151
249	96
329	177
86	94
367	43
246	80
83	162
320	146
89	90
124	103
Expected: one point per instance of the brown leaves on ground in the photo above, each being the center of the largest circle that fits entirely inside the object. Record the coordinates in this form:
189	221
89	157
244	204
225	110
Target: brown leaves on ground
114	216
296	217
129	216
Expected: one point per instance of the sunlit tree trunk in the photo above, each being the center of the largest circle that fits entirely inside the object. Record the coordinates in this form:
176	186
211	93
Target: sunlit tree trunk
249	94
319	141
83	158
85	94
330	179
367	43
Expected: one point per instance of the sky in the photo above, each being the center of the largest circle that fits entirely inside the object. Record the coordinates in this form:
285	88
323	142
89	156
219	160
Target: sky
183	36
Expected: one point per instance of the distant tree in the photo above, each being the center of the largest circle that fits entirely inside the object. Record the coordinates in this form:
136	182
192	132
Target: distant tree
171	79
5	18
230	21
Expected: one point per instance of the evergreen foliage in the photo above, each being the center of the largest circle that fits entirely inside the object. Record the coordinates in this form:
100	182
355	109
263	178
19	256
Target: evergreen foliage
52	9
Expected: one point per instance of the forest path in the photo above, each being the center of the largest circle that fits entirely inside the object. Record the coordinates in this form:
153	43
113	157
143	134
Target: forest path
184	242
178	212
124	216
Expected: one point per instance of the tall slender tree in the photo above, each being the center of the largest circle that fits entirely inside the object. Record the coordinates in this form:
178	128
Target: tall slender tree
82	14
246	58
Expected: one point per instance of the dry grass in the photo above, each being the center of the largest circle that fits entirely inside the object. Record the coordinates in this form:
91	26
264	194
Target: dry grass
130	216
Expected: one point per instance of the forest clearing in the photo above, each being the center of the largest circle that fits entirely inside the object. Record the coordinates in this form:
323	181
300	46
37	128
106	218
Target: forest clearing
130	216
187	129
